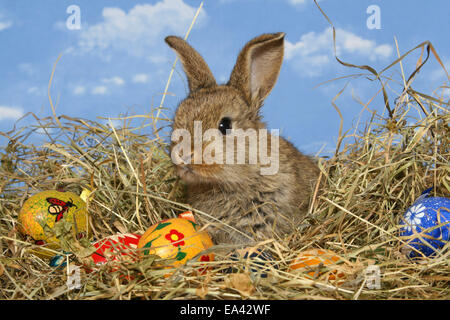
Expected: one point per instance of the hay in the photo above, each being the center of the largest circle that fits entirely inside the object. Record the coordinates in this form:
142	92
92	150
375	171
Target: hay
376	173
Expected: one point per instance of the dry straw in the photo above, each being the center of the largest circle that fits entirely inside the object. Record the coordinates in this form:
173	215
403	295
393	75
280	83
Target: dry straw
377	171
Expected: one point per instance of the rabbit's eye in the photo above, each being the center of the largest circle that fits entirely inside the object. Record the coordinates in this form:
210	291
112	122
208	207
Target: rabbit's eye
224	125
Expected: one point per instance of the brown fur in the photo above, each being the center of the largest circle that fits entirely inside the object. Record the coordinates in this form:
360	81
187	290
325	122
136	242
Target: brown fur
255	206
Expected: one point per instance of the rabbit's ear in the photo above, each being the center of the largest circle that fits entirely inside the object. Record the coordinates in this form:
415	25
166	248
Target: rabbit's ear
197	71
257	66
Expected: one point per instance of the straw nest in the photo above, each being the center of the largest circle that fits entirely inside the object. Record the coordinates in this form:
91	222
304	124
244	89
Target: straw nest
377	171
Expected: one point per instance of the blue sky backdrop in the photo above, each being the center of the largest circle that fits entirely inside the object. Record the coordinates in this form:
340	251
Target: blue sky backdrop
118	63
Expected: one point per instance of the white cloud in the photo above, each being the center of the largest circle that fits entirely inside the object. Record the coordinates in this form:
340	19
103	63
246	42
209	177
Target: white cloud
383	51
140	78
140	31
314	51
12	113
347	42
118	81
79	90
4	24
99	90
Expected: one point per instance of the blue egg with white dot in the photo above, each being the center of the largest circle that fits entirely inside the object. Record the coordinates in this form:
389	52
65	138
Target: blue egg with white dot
425	226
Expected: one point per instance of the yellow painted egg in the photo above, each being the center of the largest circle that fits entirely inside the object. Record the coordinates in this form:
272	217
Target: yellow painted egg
311	261
47	208
178	239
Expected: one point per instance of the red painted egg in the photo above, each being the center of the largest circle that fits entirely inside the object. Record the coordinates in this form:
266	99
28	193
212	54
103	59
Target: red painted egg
119	247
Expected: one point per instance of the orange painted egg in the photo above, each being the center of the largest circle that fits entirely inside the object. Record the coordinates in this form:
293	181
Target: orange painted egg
311	261
178	239
47	208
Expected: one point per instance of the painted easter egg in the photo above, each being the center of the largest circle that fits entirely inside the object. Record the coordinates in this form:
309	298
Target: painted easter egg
425	227
178	239
46	208
311	261
119	247
259	261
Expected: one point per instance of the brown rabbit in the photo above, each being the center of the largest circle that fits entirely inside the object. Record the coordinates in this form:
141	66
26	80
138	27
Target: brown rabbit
252	206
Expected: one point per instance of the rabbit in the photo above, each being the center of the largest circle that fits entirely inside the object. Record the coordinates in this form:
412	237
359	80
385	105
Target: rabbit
246	206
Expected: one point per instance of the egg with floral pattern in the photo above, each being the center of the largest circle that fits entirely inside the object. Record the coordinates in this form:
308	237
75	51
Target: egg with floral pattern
425	227
179	239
